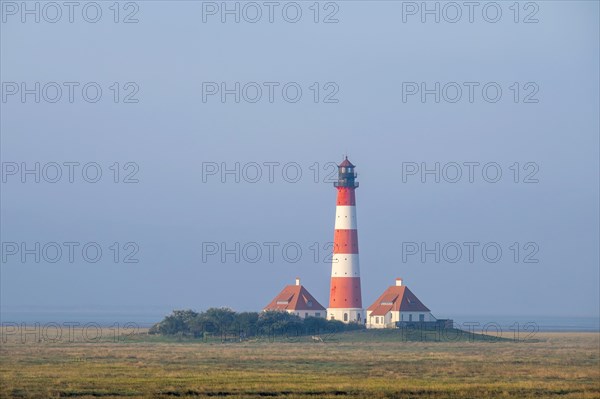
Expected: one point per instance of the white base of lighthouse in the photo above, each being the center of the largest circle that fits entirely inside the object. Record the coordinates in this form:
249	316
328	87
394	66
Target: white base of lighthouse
346	315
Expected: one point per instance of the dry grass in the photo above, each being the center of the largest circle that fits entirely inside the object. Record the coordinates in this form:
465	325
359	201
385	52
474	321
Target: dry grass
562	365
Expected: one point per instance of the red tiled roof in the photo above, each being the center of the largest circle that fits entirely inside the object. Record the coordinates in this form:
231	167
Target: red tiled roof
294	297
345	162
381	310
397	298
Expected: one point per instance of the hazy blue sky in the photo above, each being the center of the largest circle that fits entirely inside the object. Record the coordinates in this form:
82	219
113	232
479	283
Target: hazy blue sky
366	56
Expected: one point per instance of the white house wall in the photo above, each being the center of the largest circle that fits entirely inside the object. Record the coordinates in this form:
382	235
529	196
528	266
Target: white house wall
390	318
309	313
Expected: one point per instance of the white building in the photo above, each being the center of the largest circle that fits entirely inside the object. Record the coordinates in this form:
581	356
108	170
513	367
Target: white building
397	303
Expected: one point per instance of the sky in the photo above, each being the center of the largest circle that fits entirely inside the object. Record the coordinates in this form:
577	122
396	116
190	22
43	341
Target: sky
212	140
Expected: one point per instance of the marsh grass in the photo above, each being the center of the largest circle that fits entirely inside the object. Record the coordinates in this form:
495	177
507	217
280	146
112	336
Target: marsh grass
371	364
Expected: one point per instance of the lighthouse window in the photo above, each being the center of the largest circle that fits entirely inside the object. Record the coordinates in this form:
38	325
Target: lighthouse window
345	316
343	170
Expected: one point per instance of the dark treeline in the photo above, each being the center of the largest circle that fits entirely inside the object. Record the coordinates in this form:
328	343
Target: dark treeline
220	321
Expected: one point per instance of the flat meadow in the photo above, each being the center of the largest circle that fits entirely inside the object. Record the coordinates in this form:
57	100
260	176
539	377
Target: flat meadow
359	364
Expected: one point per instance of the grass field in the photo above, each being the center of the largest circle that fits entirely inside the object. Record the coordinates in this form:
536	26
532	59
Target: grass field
372	364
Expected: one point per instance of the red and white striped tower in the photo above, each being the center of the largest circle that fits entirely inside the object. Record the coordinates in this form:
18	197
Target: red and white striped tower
345	302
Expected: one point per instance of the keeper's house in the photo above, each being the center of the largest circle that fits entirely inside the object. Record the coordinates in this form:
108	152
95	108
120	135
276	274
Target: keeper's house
397	304
296	299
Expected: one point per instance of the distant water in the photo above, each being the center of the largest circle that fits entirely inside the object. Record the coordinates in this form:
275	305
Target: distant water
542	323
142	317
146	317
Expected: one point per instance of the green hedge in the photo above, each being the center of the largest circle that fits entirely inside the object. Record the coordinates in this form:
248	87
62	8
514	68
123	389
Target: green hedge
216	321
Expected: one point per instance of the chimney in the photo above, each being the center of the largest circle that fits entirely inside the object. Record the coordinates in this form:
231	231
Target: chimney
297	280
398	282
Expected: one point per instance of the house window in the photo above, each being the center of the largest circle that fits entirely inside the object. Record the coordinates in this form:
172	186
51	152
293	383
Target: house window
305	314
421	317
318	314
345	316
410	317
309	304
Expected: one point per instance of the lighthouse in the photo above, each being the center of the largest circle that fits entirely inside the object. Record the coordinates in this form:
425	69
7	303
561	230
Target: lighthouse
345	302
